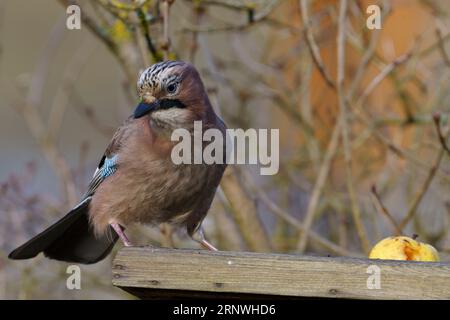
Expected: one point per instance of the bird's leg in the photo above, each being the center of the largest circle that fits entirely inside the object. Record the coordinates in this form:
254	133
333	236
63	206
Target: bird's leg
167	235
200	238
118	229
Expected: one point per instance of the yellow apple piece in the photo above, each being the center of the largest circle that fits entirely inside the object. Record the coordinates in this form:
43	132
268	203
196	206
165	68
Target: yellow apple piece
403	248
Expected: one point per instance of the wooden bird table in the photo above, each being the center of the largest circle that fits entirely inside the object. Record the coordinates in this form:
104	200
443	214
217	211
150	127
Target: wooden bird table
156	273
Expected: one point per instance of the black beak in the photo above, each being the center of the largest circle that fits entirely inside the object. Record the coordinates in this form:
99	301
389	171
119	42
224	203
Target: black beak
143	108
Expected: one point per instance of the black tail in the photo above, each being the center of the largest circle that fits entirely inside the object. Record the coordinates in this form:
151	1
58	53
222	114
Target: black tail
71	239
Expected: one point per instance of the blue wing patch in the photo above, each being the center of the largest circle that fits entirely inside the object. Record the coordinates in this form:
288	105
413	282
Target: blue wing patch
109	167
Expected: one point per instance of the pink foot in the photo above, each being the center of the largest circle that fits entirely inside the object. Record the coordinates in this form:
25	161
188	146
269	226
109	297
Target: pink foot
118	229
208	245
200	238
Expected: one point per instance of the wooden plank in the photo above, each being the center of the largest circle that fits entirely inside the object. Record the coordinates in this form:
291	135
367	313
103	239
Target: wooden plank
147	272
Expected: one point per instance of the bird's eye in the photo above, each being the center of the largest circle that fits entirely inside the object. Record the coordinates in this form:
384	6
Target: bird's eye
171	88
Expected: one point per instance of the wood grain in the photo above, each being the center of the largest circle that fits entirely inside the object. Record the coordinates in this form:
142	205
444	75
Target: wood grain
147	271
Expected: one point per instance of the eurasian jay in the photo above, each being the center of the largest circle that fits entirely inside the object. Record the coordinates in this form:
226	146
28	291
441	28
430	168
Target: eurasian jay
136	180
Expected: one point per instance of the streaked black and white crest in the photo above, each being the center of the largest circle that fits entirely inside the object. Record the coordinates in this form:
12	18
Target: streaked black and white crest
153	77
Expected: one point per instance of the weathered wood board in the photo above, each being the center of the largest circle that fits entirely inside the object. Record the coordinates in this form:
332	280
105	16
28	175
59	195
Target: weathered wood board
161	273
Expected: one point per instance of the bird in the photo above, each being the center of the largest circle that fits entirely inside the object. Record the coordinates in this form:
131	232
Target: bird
136	181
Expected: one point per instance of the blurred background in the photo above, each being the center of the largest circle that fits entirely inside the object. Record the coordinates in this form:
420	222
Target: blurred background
363	119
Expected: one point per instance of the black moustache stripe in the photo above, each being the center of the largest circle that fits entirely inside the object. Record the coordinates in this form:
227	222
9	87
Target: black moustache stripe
144	108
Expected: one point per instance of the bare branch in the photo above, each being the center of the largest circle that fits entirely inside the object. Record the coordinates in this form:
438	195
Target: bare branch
346	126
422	190
442	139
312	45
379	204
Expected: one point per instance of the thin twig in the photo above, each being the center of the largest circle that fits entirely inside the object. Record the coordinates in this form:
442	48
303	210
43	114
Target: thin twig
312	45
245	213
381	76
62	96
228	234
116	4
93	26
274	208
141	39
148	39
165	8
422	191
127	65
439	32
379	204
366	118
320	184
364	63
368	55
362	234
437	122
36	125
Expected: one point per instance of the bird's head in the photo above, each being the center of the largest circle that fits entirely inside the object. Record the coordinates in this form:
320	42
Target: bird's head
172	94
